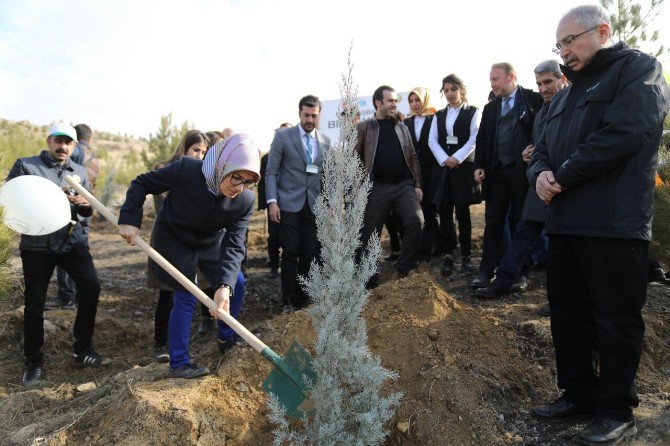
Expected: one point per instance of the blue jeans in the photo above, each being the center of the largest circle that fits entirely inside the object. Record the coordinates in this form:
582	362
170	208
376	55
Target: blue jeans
179	329
525	237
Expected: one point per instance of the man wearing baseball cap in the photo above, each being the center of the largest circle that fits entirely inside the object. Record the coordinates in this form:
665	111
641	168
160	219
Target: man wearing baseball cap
66	247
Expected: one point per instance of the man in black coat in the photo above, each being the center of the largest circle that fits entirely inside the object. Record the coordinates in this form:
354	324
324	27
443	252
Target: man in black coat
550	80
594	165
505	131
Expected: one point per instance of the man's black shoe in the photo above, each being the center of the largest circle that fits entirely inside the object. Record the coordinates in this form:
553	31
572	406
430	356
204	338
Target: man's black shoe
466	266
447	267
32	375
480	281
520	285
603	431
656	275
561	410
496	289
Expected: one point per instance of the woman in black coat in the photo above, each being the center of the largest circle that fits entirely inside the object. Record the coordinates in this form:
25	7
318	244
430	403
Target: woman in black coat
418	123
452	141
201	225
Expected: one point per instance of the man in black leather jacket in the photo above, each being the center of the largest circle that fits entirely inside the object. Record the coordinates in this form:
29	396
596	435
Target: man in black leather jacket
594	166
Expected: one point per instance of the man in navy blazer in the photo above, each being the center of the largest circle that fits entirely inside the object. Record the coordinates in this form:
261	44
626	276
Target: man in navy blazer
292	183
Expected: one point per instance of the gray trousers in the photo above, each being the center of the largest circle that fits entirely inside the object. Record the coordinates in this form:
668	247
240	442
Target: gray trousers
401	199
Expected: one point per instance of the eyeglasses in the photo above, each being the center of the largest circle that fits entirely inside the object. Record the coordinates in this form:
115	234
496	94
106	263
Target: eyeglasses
567	40
236	180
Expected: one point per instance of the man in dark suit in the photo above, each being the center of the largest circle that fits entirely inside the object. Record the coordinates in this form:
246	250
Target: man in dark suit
550	80
292	183
505	131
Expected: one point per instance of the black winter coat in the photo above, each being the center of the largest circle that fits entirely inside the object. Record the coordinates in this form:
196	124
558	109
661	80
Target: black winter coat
193	225
601	141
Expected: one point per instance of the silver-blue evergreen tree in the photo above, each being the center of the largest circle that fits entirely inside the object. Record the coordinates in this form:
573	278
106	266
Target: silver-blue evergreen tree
348	407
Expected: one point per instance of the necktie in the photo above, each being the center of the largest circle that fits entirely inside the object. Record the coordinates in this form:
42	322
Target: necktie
309	151
505	107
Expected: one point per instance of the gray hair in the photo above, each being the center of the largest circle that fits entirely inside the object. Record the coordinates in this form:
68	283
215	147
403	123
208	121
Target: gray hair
549	66
588	16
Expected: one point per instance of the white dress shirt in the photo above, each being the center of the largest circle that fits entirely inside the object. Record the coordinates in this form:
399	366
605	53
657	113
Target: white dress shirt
469	146
418	125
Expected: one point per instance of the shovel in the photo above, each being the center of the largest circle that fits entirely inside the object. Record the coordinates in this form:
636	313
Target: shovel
286	379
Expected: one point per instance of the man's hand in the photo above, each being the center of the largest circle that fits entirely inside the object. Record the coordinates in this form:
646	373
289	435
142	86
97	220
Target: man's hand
546	186
128	233
452	162
419	194
527	153
479	175
222	301
78	200
274	212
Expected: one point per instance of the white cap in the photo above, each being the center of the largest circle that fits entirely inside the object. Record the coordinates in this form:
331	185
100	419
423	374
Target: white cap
61	128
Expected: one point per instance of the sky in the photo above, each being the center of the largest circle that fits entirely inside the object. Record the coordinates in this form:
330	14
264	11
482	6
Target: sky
120	65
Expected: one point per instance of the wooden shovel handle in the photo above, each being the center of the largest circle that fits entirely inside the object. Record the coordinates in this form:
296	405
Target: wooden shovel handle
256	343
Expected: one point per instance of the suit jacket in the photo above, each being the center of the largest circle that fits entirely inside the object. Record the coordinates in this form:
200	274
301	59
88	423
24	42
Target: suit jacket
526	105
286	178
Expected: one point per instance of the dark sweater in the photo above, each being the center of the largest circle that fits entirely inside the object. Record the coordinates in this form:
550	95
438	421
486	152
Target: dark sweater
389	165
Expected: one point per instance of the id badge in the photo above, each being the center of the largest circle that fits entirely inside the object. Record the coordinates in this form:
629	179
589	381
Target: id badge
452	140
312	168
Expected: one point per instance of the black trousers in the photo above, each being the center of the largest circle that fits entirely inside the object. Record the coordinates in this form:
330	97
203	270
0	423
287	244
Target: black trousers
506	189
597	288
37	270
273	242
401	199
431	229
449	231
394	227
300	246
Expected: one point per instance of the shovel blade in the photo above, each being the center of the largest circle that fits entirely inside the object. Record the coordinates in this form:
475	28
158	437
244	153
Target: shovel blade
286	380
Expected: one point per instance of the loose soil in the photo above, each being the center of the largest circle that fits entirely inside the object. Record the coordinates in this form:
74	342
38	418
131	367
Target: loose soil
469	369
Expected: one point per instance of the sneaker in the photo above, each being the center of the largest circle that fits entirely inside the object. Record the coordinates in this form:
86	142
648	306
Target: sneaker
162	354
189	371
32	375
91	358
227	344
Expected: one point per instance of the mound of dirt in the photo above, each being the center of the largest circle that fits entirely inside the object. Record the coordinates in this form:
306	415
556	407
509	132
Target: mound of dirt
468	369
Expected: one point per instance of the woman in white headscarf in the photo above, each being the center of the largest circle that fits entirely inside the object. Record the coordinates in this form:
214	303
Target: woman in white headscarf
201	225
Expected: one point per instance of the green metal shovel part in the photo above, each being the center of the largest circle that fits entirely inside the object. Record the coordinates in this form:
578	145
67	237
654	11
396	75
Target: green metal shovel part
292	374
